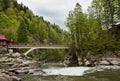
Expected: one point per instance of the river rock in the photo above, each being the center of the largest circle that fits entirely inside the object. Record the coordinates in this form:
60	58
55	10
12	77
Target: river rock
88	63
21	72
15	64
80	62
15	55
4	77
115	62
3	60
104	62
14	78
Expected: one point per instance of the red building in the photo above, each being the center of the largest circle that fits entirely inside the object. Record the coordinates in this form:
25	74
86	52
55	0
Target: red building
3	40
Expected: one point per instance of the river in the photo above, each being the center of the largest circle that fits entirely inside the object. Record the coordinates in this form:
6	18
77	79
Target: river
60	73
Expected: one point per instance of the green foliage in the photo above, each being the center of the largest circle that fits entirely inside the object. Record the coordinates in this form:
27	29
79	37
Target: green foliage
22	33
78	30
48	55
4	20
52	34
20	25
1	5
106	12
16	19
88	34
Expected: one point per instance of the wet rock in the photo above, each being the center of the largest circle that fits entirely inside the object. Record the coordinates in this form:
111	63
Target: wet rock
114	61
9	73
3	60
88	63
14	78
32	71
15	55
6	77
15	64
104	62
21	72
71	60
80	62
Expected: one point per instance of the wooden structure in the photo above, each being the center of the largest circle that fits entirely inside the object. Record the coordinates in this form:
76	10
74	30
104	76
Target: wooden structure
115	30
3	40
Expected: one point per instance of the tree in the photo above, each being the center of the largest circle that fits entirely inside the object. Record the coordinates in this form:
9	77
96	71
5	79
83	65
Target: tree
6	4
106	11
22	33
1	5
52	34
33	25
76	24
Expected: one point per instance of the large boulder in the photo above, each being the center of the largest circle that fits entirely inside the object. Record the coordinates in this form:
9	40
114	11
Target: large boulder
114	61
88	63
16	55
104	62
71	60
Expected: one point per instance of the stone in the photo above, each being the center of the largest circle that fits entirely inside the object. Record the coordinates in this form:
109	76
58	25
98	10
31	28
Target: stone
115	62
80	63
88	63
21	72
5	77
15	55
3	59
16	64
104	62
71	60
23	65
14	78
32	71
10	51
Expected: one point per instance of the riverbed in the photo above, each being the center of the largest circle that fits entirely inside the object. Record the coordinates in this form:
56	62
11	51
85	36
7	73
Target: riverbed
60	73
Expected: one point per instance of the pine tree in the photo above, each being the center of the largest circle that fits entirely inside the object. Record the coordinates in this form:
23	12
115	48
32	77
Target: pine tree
22	33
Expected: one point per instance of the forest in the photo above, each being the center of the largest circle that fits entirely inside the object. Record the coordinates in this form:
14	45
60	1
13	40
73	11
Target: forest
92	33
20	25
18	22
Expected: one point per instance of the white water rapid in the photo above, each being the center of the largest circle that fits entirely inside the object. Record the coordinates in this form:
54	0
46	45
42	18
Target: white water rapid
75	71
69	71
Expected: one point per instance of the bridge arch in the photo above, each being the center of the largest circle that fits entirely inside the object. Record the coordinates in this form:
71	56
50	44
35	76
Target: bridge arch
31	48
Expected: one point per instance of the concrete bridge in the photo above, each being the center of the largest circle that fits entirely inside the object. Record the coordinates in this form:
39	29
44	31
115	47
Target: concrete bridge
34	47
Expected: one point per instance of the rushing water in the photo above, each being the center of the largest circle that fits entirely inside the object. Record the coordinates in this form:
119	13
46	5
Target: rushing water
60	73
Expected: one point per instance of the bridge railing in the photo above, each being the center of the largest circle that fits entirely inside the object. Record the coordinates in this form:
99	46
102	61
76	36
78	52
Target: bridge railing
25	44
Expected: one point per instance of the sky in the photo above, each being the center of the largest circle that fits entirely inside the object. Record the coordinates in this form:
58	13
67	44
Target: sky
55	11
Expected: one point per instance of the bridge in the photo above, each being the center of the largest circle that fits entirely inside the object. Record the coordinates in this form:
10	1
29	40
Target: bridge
34	47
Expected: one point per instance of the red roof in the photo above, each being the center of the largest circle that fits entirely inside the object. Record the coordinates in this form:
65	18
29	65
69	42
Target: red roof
2	37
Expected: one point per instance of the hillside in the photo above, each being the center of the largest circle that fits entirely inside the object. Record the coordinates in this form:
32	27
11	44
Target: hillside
19	24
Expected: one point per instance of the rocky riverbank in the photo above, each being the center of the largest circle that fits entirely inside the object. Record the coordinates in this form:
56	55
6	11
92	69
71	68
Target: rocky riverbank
16	64
108	58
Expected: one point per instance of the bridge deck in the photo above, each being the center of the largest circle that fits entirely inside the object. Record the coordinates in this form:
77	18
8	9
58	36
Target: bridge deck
39	46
